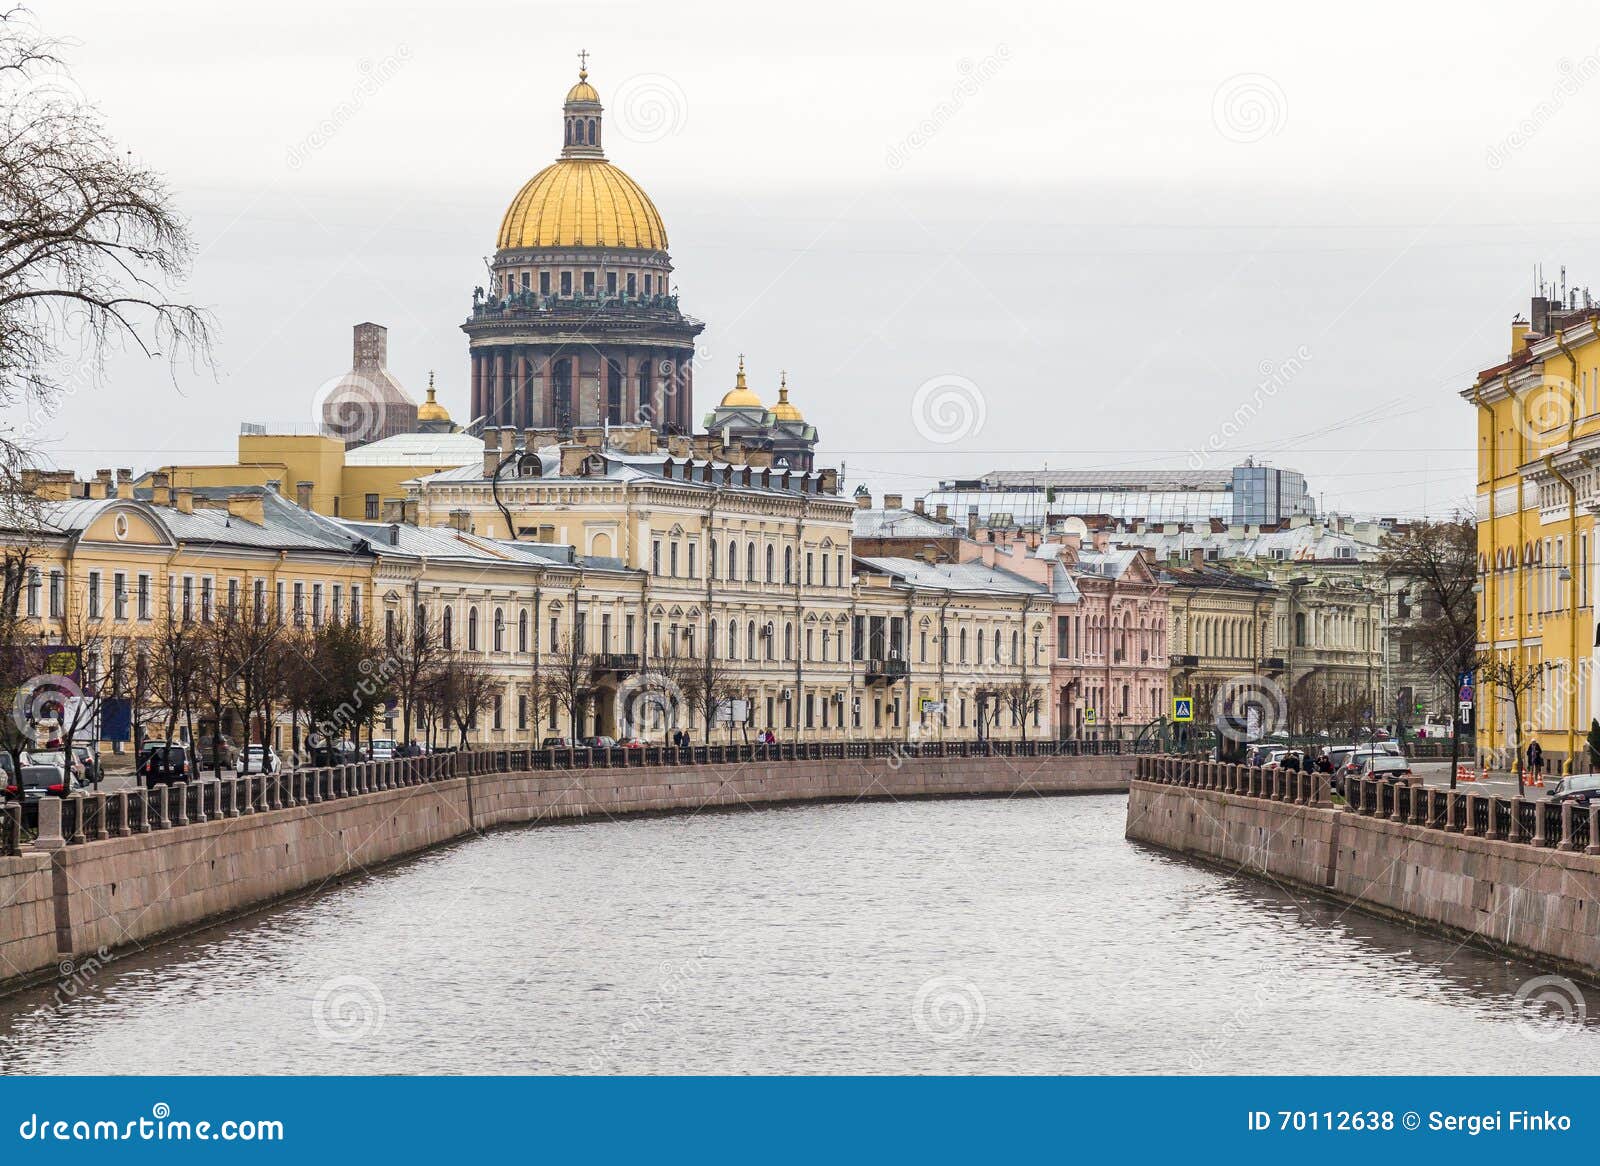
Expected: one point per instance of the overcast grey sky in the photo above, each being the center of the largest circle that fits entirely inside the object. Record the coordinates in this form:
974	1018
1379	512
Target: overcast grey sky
1103	235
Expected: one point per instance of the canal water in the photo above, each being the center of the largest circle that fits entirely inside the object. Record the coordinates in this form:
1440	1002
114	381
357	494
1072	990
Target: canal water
1020	936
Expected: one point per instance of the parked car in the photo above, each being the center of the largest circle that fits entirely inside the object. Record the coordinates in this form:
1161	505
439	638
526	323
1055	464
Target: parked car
599	742
38	781
1578	790
630	743
1386	767
89	758
258	759
383	749
556	743
164	764
339	753
58	758
210	749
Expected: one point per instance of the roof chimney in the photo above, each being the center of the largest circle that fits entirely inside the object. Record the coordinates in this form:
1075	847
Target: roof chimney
160	489
941	511
461	520
863	500
892	501
1197	556
247	508
491	450
184	500
920	506
302	494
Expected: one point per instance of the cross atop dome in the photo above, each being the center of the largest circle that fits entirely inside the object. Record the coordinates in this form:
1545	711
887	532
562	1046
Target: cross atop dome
583	64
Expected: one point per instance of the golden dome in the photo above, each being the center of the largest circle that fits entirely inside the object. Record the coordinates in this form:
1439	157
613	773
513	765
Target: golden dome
582	200
431	410
784	411
740	395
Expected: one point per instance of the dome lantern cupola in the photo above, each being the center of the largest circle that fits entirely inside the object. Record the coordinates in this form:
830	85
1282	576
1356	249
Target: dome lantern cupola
783	410
740	396
581	117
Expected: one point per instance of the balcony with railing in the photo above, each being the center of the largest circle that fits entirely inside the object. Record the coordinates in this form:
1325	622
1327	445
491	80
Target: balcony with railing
885	670
526	306
621	663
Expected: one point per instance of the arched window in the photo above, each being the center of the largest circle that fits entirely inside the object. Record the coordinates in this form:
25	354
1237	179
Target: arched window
711	567
770	577
733	639
733	560
472	629
750	640
594	132
499	630
788	565
980	644
446	624
750	562
522	631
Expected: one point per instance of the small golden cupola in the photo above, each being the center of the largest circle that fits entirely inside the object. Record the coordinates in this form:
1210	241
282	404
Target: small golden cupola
740	396
431	410
783	410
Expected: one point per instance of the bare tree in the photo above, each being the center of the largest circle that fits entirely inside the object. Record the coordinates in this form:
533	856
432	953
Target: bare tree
1438	563
1513	679
571	680
176	658
462	688
91	247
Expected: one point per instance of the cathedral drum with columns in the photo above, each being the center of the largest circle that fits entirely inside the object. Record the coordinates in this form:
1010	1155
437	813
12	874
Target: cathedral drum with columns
580	325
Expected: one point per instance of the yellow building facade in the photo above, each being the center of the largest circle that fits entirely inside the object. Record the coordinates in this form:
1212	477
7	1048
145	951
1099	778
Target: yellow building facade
1538	430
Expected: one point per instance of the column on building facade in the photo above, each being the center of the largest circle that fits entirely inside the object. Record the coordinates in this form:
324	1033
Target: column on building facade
496	382
476	358
519	387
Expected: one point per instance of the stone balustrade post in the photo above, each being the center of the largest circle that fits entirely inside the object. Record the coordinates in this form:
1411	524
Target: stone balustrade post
1566	828
1594	829
1515	832
49	835
178	803
1321	789
121	800
97	815
1470	826
1450	822
199	802
161	811
74	819
1538	823
1395	813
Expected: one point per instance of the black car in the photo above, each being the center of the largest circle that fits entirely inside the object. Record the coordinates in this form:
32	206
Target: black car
1579	791
164	764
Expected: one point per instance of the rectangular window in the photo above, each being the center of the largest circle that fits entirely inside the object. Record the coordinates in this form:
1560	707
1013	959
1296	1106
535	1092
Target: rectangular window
588	283
544	283
233	598
672	560
655	557
355	605
280	600
259	600
633	285
808	568
566	283
647	284
316	605
188	598
611	283
207	594
522	711
627	634
372	506
299	604
694	571
58	595
497	714
144	596
119	595
1063	624
94	594
35	585
338	602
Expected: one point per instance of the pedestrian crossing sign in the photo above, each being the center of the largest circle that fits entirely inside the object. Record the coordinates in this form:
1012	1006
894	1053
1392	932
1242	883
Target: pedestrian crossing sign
1183	708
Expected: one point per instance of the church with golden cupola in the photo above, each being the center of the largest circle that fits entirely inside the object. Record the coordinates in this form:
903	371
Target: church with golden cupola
580	325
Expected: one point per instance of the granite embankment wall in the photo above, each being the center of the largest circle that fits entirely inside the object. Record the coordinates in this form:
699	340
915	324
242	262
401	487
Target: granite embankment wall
1515	875
135	873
